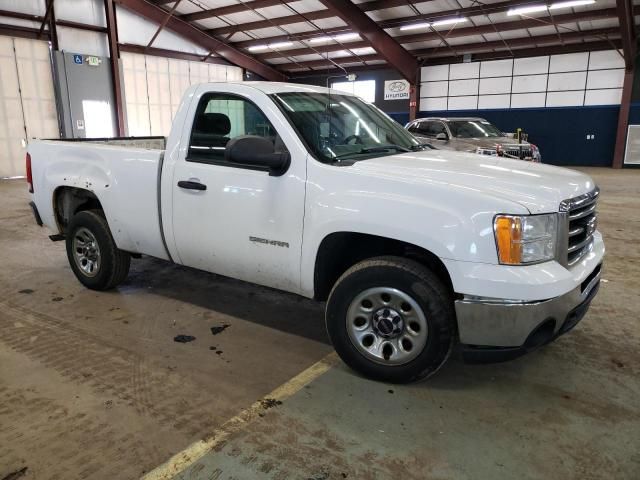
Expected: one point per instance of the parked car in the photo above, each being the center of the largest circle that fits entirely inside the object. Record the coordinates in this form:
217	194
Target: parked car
475	135
323	195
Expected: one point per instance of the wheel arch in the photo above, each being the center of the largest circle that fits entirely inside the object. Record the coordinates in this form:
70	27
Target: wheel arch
339	251
67	201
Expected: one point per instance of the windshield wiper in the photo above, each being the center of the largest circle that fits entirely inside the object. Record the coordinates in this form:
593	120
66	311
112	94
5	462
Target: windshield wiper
383	148
376	149
422	146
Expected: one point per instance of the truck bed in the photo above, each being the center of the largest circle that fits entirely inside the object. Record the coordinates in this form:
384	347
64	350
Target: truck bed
149	143
122	173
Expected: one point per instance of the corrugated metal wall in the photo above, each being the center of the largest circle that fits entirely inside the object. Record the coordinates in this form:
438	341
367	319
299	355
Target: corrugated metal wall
27	103
154	86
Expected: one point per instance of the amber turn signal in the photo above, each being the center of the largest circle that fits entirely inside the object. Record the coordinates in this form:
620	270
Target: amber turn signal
509	239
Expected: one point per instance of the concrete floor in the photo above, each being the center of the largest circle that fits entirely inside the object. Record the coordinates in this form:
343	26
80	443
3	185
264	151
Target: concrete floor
92	385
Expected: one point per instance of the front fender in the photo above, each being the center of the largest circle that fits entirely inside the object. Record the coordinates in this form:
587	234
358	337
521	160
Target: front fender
450	221
442	227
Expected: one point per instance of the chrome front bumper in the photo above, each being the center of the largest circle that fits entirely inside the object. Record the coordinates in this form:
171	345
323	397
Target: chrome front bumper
492	322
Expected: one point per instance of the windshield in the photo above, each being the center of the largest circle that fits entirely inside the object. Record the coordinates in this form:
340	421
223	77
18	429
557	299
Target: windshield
473	129
339	127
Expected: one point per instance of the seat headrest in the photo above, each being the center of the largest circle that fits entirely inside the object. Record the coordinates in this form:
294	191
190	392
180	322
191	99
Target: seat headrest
213	123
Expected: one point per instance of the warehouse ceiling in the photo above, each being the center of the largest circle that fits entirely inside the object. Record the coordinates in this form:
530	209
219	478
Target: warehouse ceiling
279	39
315	36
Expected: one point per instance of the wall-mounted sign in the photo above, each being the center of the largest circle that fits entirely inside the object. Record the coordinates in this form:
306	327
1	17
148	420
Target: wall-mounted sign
78	60
80	124
93	61
396	90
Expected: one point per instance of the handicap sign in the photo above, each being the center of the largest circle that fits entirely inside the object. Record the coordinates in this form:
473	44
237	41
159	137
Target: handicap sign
77	59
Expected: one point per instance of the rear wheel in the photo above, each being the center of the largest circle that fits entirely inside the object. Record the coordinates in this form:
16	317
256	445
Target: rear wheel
391	319
93	256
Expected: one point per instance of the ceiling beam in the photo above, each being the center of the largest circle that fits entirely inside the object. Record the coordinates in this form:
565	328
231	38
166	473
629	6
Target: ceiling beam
61	23
601	34
229	10
256	4
162	52
272	22
190	32
396	22
343	61
164	23
316	49
627	27
23	32
514	25
491	8
505	54
611	33
53	30
457	32
47	15
292	37
386	46
472	11
531	52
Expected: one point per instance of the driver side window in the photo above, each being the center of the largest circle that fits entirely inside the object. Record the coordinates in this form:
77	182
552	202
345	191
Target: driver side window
434	128
220	118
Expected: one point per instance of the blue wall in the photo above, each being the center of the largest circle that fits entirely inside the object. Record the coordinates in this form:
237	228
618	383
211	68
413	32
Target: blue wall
401	117
560	133
634	114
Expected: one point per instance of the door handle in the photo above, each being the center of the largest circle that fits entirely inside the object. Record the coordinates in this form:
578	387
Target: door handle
191	185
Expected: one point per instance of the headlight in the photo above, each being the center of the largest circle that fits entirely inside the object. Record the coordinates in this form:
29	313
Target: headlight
526	239
486	151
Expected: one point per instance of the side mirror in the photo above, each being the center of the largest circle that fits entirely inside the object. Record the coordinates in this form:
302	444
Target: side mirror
255	151
442	136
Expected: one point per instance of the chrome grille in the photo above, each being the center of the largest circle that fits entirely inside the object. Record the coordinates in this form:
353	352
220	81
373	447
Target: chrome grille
518	151
582	223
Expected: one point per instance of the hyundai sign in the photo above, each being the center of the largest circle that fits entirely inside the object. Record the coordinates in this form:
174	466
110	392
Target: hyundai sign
396	90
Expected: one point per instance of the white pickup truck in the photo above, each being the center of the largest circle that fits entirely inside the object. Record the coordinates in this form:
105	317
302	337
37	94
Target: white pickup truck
318	193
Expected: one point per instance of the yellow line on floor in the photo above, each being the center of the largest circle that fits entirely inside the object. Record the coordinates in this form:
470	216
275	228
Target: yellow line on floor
181	461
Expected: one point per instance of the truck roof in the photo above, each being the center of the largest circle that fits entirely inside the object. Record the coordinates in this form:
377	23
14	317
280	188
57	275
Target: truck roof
282	87
447	119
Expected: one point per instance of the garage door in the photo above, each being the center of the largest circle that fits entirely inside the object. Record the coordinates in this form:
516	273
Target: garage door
27	102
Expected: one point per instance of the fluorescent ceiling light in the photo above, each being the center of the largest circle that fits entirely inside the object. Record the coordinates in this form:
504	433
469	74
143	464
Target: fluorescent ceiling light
346	36
415	26
337	38
449	21
280	44
258	47
525	10
320	39
571	3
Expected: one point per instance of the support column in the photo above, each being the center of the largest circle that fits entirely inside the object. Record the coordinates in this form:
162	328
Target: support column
53	30
414	98
623	120
114	53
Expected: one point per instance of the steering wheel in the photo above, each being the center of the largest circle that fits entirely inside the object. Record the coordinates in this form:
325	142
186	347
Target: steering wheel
357	138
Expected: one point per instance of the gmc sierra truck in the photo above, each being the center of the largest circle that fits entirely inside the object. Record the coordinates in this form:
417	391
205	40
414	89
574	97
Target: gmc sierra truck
319	193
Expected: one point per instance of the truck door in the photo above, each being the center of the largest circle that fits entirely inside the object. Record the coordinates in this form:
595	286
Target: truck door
233	220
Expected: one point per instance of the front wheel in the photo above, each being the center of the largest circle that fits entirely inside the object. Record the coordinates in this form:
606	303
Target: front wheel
93	256
391	319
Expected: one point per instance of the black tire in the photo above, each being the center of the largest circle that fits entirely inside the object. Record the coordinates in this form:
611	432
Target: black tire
114	263
414	280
